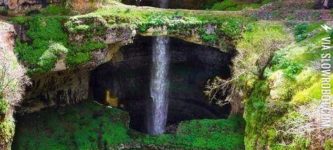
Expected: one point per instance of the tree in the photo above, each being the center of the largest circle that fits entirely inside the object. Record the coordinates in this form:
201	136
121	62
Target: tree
12	77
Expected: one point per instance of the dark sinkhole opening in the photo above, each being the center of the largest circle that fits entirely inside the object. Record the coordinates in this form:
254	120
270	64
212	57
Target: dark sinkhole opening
175	4
125	81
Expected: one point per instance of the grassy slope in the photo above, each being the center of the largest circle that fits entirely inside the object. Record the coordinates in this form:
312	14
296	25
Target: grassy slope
272	110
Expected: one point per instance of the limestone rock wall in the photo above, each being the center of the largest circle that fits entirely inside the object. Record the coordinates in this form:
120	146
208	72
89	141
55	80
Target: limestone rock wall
12	80
21	5
56	89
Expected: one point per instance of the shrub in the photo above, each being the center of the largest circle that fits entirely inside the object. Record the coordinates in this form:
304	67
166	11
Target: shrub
328	144
12	79
55	10
3	106
44	31
209	37
51	55
238	5
224	134
300	32
7	130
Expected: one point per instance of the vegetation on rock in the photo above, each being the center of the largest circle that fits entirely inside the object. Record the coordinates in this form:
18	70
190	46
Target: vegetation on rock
281	110
12	81
276	76
233	5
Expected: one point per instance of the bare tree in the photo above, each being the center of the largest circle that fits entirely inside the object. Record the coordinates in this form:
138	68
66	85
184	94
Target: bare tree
12	77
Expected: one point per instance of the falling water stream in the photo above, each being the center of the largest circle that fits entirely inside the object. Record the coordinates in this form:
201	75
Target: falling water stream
159	83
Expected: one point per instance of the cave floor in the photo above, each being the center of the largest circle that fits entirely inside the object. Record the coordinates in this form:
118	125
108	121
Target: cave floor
93	126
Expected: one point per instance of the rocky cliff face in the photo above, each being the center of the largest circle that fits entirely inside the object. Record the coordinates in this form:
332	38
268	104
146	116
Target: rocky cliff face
27	5
11	85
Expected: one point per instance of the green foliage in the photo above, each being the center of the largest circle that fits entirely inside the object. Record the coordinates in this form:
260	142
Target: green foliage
176	22
83	126
259	116
232	27
55	10
20	20
51	55
272	109
209	37
302	30
4	106
328	144
80	53
203	134
258	41
7	130
44	32
50	43
290	68
233	5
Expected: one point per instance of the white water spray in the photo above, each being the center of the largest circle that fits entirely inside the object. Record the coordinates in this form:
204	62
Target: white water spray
159	86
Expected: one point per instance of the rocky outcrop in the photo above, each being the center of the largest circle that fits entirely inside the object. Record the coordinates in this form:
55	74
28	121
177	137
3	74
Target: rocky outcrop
27	5
56	89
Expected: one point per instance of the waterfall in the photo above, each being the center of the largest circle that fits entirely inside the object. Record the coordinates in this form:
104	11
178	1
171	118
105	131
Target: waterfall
163	3
159	86
159	83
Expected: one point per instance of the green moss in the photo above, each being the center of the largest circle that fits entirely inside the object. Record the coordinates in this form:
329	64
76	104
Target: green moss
50	42
55	10
272	109
83	126
203	134
233	5
51	55
50	26
209	37
290	68
328	144
175	21
19	20
44	32
81	53
302	30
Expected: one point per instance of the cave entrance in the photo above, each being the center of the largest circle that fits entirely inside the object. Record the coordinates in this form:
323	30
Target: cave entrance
124	82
